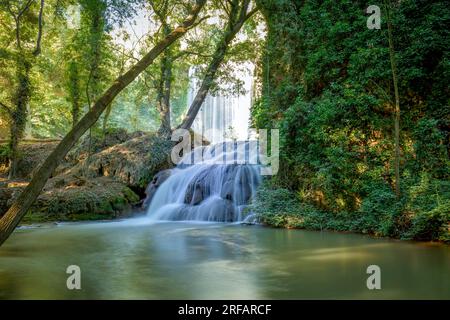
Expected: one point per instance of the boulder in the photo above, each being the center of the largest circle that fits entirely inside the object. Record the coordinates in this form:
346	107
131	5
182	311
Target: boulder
195	194
133	162
32	155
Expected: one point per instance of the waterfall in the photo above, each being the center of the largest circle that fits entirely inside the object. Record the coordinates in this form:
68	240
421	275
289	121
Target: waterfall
225	174
215	188
222	116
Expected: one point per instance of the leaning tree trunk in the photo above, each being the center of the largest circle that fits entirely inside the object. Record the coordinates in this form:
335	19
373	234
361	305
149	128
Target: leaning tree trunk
20	207
236	20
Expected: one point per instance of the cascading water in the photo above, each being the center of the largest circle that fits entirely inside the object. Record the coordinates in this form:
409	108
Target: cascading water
224	116
215	188
220	185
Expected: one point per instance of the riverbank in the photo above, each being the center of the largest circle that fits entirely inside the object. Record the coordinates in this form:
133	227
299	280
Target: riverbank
278	207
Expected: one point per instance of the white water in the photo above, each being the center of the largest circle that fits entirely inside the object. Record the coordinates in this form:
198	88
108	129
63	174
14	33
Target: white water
223	117
216	188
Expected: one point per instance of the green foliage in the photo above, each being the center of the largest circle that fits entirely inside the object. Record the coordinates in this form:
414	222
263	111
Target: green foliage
381	214
5	153
429	203
106	201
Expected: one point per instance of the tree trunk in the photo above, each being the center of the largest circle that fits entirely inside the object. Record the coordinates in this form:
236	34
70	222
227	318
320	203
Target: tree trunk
164	103
20	207
236	20
106	118
397	101
19	115
164	92
74	92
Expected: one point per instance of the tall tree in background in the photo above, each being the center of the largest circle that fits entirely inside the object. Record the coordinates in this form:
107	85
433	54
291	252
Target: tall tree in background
19	208
85	53
166	64
397	98
24	17
74	91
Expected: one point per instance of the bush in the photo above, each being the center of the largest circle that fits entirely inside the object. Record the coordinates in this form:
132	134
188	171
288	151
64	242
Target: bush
4	154
423	213
429	207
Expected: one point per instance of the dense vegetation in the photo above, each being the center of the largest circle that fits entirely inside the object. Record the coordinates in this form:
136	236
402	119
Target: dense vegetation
328	87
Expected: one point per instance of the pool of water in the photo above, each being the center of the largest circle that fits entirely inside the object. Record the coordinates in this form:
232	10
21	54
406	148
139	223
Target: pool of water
136	259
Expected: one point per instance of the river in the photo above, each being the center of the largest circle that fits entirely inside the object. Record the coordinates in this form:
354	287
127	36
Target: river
136	259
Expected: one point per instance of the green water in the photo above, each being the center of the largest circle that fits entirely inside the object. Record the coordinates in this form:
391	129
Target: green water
137	260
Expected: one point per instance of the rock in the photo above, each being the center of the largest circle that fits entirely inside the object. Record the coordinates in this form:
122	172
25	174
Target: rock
32	155
99	142
157	180
133	162
227	190
79	199
245	187
195	196
5	195
198	189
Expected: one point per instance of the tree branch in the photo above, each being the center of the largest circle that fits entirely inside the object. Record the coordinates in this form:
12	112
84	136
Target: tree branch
24	9
250	13
200	21
37	50
187	52
8	109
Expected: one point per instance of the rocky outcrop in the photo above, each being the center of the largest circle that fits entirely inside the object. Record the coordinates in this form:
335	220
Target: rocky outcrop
102	186
133	162
32	156
150	191
102	177
68	198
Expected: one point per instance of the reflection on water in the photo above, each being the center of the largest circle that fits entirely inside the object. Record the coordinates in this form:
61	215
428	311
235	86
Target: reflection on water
137	260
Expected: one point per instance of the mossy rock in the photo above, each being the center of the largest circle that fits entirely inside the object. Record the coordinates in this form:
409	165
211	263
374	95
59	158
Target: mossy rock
133	162
96	199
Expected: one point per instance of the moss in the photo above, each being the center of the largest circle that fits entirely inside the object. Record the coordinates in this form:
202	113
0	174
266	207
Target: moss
424	215
36	217
89	217
130	195
97	199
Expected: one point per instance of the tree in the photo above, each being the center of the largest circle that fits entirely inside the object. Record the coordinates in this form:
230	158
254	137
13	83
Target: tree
19	208
397	99
237	15
166	64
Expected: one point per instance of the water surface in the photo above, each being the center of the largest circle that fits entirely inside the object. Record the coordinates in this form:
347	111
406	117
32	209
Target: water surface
134	259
